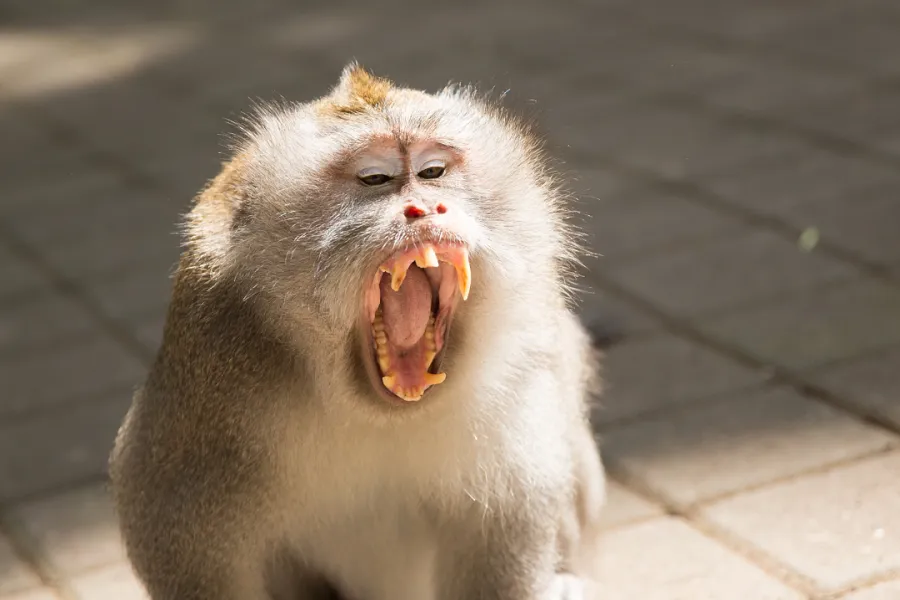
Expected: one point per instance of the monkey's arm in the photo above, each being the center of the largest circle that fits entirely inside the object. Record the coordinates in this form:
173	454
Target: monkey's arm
188	511
507	558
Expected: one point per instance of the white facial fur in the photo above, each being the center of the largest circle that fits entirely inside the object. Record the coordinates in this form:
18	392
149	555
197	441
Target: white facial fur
314	233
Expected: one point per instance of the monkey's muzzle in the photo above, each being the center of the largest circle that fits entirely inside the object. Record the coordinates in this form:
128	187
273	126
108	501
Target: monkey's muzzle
409	305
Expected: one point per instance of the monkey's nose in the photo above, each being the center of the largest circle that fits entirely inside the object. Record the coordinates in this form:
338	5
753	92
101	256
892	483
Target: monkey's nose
414	210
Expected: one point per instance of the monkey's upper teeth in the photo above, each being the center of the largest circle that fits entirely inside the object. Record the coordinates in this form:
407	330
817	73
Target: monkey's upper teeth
428	256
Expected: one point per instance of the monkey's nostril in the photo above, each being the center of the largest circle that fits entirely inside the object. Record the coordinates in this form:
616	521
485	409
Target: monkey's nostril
413	212
441	209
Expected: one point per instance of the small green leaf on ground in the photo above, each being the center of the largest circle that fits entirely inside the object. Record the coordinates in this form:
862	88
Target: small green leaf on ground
809	239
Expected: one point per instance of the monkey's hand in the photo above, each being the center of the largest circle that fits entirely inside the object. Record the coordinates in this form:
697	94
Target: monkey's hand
569	587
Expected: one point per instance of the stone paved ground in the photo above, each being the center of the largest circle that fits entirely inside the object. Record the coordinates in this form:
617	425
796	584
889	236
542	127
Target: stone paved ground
752	417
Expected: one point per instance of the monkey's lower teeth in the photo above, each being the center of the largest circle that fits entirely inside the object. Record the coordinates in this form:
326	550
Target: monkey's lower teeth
396	379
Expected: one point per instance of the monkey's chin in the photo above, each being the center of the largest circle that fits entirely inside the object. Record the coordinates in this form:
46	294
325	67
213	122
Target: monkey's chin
408	308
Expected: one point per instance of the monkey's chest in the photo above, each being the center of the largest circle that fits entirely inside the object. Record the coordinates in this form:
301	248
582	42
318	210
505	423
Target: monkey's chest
377	555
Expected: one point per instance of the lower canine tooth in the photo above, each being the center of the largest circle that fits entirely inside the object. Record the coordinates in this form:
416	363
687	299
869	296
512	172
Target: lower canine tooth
389	381
435	378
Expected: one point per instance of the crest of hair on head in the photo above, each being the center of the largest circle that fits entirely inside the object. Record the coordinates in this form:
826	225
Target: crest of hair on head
356	91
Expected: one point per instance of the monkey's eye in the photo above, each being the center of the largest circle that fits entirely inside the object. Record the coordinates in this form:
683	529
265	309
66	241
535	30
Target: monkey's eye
373	176
432	170
376	179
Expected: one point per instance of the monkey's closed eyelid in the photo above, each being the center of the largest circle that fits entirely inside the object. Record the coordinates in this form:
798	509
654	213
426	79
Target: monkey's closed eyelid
433	163
372	171
432	169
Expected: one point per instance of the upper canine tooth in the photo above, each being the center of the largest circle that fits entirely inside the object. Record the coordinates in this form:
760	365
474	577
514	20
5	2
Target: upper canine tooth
463	274
428	258
398	274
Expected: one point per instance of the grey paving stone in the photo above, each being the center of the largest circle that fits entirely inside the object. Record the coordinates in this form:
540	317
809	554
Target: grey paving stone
75	531
856	39
19	52
15	575
843	525
777	186
889	590
113	253
112	583
32	323
870	382
815	326
645	375
888	142
702	451
52	192
592	184
25	140
855	116
136	121
84	62
138	292
665	559
647	220
731	270
613	315
18	278
184	171
624	506
756	84
673	142
684	65
562	123
208	73
35	594
67	373
734	19
107	214
864	222
82	437
101	227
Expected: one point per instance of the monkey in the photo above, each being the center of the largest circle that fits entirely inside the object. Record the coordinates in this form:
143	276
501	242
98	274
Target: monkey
371	383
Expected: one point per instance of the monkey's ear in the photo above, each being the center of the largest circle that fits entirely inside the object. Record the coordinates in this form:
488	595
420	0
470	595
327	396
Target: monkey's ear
358	88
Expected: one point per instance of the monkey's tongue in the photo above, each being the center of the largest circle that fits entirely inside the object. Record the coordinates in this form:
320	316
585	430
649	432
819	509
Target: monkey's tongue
405	337
406	312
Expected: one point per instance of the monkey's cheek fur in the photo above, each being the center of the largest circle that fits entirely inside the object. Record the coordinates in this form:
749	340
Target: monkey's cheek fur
408	308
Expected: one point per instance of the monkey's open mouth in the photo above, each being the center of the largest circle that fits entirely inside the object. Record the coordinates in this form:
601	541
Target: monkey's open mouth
408	308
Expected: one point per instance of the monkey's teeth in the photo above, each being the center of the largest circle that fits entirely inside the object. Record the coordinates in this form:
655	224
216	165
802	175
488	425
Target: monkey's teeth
428	258
463	274
389	379
398	274
435	378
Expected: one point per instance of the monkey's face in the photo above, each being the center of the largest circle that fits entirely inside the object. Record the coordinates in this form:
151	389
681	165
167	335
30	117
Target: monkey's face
390	218
411	239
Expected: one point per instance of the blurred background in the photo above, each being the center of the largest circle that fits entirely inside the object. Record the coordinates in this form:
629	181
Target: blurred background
738	165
